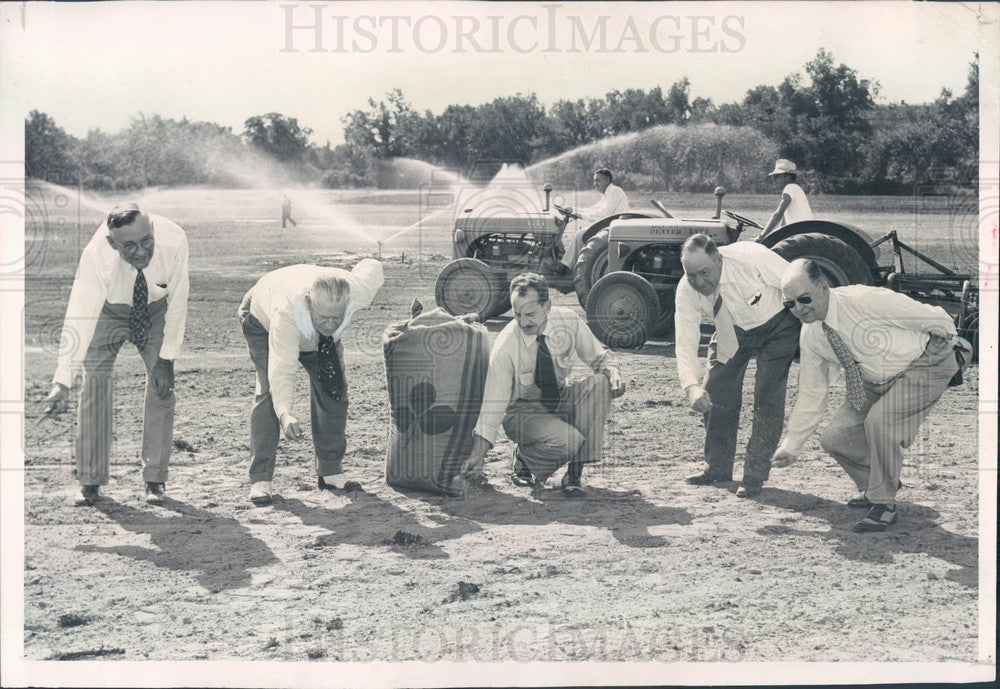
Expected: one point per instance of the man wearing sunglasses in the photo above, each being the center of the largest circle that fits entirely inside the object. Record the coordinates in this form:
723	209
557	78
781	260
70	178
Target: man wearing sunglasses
131	285
898	357
738	288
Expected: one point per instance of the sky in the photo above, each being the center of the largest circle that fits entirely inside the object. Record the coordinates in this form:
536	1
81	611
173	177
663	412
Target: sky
96	65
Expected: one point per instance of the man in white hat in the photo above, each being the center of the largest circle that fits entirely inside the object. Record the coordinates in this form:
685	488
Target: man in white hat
295	315
794	206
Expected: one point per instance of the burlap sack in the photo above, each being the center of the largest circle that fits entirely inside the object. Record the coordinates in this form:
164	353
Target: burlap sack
435	368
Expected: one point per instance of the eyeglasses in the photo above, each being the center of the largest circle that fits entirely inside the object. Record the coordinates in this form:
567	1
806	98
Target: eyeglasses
804	299
131	247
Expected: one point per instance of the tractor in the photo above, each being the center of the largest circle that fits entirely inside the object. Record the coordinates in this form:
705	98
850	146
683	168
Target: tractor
634	300
507	228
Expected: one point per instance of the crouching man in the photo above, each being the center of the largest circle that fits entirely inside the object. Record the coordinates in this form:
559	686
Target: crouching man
898	357
526	392
296	315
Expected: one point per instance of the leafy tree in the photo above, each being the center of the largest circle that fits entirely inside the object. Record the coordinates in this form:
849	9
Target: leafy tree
391	127
48	150
508	128
277	136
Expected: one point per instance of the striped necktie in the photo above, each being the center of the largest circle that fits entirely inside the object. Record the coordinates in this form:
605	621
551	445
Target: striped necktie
139	320
852	372
545	375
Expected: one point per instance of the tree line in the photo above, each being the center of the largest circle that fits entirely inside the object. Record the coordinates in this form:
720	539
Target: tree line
826	120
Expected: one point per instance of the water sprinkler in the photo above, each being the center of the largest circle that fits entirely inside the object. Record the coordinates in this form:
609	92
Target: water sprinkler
548	192
719	193
379	250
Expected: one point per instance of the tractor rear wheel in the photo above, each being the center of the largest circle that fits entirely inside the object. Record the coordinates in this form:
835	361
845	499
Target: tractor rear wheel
623	310
467	285
590	265
840	263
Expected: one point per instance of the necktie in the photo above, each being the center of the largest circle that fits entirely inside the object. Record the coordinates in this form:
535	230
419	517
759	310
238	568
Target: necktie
139	321
545	375
717	306
331	376
852	372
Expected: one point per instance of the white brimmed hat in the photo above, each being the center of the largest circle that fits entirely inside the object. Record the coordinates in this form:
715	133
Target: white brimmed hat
782	167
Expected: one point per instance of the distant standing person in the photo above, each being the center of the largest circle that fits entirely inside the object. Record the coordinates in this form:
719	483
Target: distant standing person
613	201
898	357
794	206
295	315
131	284
286	212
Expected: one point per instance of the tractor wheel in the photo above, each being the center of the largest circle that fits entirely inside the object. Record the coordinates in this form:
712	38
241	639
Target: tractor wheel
467	285
591	265
840	263
622	310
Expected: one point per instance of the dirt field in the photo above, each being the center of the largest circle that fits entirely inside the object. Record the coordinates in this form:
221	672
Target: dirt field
645	568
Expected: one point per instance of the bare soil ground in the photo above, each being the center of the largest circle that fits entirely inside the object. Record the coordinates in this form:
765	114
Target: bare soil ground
644	568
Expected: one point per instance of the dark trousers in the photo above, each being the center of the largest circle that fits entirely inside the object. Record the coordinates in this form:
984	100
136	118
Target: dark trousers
94	429
773	345
328	415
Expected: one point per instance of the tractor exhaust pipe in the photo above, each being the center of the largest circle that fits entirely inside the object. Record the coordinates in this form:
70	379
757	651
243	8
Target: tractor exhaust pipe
719	193
548	192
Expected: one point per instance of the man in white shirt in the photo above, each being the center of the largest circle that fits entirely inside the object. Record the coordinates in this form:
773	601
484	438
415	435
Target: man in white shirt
613	201
296	315
898	357
793	206
131	284
736	287
553	422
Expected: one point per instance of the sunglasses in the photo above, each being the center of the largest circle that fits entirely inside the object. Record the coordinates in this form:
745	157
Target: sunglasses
804	299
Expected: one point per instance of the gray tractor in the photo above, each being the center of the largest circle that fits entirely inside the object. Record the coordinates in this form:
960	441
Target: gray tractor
634	300
507	228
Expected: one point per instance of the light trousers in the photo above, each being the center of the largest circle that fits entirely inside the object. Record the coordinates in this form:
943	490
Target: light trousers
869	443
96	411
573	432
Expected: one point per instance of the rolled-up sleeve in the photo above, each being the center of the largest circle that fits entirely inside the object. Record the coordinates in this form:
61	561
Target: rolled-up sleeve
175	319
591	351
687	335
496	395
814	390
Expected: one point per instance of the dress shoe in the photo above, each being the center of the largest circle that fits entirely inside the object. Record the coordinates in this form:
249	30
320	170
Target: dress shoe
572	486
522	474
879	518
88	495
338	482
860	502
706	479
260	493
155	493
748	491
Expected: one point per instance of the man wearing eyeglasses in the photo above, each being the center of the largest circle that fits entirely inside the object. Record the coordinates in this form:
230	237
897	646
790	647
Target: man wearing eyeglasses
738	288
131	285
898	357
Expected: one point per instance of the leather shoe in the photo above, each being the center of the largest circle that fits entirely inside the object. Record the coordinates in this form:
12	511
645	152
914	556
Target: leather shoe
879	518
260	493
572	486
155	493
337	482
860	502
745	491
706	479
88	496
522	474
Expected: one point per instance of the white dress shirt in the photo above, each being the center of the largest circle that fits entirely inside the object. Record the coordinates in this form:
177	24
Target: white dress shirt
885	332
278	301
103	276
799	208
511	373
750	287
612	202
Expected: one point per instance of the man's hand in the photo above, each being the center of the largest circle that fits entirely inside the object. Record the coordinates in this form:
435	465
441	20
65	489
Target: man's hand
617	384
699	399
782	458
473	466
290	426
163	378
56	401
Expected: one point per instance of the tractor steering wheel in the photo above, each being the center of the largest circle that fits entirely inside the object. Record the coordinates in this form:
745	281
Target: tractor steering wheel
567	213
743	221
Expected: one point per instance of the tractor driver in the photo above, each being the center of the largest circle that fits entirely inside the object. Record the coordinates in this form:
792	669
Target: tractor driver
612	202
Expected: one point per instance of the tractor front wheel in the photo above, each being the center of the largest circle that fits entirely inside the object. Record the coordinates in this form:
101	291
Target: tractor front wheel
623	310
467	285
